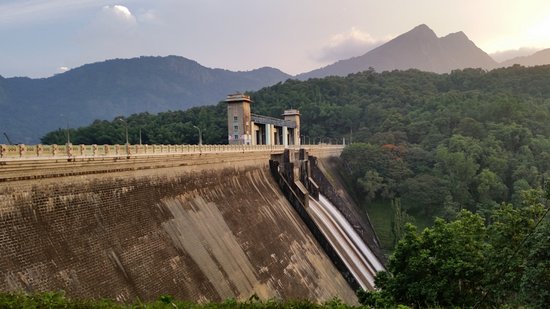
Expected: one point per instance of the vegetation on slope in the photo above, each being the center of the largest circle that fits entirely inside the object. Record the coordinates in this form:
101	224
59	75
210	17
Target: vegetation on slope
468	262
177	127
59	300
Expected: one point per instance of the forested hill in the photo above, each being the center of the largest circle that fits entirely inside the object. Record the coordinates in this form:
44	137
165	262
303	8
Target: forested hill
472	139
103	90
410	107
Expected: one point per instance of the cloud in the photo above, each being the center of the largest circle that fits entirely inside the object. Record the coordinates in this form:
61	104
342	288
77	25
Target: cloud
117	14
504	55
110	23
63	69
349	44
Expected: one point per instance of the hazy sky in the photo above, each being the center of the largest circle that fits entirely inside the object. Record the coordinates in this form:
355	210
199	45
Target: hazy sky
39	38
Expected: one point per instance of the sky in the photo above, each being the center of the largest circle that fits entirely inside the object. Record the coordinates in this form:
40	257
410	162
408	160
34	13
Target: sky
40	38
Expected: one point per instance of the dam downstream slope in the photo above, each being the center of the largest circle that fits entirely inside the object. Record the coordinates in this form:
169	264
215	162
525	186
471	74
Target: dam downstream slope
198	231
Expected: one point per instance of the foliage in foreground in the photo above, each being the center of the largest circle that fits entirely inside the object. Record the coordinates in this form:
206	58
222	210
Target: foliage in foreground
59	300
469	262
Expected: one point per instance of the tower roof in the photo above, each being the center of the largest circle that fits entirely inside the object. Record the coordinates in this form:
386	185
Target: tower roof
291	112
238	97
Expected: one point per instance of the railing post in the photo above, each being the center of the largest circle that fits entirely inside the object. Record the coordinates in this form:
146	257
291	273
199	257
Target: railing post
69	150
22	150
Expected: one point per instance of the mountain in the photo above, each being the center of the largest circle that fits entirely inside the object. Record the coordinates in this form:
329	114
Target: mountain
120	87
420	48
539	58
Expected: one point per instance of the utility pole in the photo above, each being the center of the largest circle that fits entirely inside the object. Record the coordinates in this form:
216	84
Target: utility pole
126	134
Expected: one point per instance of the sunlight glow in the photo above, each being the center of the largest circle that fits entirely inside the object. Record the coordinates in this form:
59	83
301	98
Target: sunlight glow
534	35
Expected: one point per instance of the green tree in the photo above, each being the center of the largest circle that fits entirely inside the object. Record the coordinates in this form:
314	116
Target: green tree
466	263
433	268
459	168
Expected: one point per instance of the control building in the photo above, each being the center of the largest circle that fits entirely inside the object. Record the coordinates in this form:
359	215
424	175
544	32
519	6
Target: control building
246	128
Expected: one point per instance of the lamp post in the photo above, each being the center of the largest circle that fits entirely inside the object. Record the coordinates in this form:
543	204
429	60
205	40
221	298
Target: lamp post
67	130
125	129
68	134
200	134
126	134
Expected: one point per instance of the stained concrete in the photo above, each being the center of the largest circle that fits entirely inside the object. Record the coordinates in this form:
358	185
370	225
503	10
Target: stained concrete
200	228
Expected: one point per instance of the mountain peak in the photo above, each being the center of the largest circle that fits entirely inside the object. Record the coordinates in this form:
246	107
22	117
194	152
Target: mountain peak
419	48
456	36
423	30
421	27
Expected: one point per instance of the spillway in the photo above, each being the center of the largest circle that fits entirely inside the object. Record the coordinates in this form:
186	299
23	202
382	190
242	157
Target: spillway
357	256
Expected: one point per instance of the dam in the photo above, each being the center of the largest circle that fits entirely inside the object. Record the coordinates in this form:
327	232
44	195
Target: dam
204	224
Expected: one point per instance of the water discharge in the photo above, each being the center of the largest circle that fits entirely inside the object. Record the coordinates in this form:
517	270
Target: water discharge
357	256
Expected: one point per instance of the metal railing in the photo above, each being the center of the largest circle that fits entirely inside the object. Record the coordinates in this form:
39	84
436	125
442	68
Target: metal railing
22	151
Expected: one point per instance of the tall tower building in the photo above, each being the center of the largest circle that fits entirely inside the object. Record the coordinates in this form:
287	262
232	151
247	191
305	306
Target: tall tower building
239	119
293	135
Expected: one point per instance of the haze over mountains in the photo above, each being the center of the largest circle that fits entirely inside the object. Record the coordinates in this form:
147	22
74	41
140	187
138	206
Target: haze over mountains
538	58
120	87
420	48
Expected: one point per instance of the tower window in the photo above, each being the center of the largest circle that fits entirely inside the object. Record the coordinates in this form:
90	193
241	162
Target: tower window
235	118
236	136
236	128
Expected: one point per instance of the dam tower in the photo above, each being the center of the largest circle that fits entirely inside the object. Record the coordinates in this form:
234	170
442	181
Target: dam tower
245	128
238	119
293	134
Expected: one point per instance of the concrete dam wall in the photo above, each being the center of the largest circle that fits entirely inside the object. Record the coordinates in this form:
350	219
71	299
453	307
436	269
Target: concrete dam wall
202	227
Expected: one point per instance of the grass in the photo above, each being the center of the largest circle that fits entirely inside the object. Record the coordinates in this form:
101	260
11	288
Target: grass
382	217
55	300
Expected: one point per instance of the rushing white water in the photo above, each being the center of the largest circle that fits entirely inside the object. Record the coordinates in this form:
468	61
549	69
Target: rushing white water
357	256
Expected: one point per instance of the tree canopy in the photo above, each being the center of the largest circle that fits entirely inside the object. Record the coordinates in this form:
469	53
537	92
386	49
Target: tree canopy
467	263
